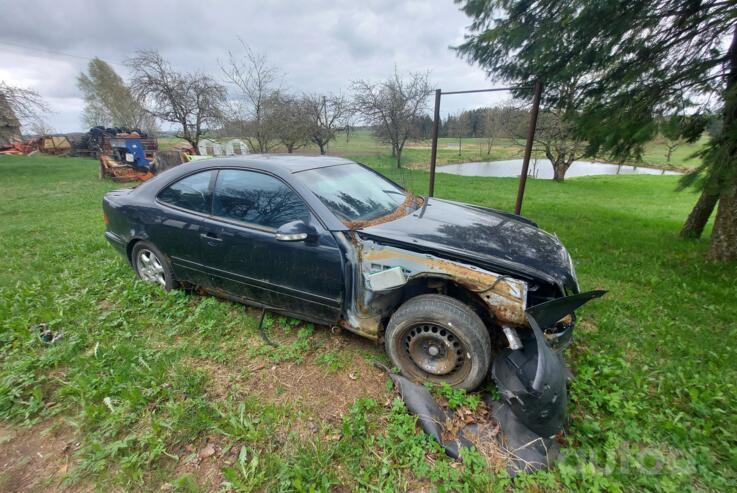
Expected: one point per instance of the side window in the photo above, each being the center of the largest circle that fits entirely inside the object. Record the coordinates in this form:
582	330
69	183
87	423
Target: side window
192	193
256	198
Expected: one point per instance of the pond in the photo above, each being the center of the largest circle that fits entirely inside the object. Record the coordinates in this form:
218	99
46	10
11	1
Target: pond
541	168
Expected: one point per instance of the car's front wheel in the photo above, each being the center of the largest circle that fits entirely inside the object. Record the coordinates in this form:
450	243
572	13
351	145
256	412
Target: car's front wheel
151	265
437	338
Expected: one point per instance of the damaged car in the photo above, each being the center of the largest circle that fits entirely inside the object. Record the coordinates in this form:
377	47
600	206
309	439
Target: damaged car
456	292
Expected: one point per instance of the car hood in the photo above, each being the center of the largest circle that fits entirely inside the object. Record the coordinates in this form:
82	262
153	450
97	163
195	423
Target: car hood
486	237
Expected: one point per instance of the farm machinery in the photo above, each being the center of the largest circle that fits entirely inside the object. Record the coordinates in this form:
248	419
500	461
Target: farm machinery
125	155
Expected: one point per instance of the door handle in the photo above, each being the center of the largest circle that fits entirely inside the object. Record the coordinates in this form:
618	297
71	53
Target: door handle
210	237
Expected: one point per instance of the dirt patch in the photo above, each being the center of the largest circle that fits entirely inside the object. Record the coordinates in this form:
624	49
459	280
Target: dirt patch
35	458
323	391
315	388
204	461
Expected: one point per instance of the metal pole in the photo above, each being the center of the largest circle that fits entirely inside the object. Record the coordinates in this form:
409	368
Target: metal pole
528	147
434	152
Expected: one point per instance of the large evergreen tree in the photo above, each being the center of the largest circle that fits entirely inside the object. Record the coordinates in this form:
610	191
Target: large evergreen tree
635	62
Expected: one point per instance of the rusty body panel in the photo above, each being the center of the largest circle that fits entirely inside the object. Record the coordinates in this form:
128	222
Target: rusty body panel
504	297
405	208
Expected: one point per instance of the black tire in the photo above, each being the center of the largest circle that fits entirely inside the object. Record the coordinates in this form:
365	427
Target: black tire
437	338
151	272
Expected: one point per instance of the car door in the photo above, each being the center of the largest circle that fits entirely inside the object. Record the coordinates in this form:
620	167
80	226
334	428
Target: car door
246	260
176	225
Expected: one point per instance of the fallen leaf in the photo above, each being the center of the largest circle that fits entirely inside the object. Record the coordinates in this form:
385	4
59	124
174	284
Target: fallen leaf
206	452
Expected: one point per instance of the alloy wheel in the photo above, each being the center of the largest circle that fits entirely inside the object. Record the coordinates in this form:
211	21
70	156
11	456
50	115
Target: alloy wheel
150	267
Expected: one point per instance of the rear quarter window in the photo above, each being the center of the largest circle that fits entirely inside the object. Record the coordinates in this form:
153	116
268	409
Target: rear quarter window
192	193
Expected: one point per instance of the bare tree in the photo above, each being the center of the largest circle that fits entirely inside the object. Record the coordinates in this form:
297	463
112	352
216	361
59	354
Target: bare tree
18	107
191	100
393	107
459	126
290	121
326	115
40	127
554	136
257	84
496	123
109	101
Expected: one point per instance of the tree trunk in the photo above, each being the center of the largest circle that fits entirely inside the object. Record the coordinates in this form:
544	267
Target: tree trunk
321	145
559	170
290	148
398	154
193	143
696	222
559	173
724	234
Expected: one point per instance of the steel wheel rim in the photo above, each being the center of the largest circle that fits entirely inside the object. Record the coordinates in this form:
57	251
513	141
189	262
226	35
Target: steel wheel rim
150	267
434	352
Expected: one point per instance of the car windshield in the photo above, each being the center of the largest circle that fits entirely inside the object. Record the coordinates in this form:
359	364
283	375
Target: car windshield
355	194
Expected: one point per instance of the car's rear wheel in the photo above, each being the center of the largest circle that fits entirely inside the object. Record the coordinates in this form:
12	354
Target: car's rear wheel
152	266
437	338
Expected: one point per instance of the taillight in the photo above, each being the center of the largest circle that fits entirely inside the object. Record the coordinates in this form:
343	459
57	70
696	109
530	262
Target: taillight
105	219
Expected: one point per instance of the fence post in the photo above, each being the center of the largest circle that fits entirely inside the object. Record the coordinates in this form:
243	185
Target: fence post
528	147
434	151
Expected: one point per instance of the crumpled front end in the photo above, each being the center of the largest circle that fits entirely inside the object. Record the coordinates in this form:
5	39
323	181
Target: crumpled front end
530	374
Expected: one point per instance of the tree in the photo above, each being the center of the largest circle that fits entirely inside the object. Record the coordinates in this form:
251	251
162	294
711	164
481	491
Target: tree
192	101
40	127
256	82
291	121
678	129
635	62
393	107
670	131
19	107
490	127
108	101
326	115
459	126
560	145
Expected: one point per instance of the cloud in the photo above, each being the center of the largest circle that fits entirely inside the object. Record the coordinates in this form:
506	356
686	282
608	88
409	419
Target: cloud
320	45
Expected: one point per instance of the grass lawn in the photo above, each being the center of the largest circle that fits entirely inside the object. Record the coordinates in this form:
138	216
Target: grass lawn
150	390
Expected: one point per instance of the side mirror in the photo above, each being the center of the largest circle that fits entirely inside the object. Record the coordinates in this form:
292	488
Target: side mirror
295	231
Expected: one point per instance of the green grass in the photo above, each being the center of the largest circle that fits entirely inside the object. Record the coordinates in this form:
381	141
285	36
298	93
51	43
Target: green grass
654	402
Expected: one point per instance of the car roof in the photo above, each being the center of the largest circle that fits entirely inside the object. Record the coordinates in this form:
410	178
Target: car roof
272	162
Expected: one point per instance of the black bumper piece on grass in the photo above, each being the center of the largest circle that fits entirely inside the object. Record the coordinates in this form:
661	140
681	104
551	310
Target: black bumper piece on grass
532	384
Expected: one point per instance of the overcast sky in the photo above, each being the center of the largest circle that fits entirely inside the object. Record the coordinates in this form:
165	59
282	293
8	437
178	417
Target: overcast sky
320	45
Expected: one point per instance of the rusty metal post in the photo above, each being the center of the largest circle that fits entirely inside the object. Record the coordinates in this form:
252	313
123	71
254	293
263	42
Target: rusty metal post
434	151
537	92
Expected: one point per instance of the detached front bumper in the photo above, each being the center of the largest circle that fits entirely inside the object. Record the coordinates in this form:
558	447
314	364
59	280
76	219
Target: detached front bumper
532	382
